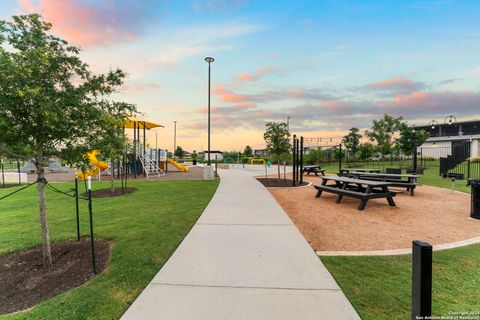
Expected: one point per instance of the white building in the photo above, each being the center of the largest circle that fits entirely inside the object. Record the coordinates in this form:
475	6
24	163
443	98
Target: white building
446	138
214	155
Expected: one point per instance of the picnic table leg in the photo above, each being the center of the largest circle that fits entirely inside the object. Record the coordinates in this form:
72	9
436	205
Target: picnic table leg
362	204
339	196
389	199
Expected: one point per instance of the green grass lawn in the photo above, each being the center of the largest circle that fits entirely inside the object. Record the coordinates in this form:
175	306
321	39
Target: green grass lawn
380	287
146	227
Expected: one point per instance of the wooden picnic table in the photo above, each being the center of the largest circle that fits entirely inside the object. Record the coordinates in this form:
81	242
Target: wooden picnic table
348	170
394	179
356	188
313	169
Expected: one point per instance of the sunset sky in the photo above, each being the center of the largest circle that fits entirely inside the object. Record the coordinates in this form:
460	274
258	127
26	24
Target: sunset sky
329	65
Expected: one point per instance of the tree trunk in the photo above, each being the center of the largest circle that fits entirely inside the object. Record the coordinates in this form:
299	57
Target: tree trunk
47	254
278	167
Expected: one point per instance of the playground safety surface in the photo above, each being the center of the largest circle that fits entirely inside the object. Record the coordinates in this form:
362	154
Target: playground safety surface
434	214
24	281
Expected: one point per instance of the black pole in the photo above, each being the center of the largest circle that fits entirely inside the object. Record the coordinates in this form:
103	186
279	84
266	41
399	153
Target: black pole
76	209
19	174
297	160
175	135
414	156
92	238
135	149
293	160
421	280
208	161
301	160
3	174
144	147
340	159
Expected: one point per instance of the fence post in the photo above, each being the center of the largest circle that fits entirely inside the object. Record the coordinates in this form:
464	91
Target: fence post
294	156
19	174
414	156
468	168
3	174
421	279
92	238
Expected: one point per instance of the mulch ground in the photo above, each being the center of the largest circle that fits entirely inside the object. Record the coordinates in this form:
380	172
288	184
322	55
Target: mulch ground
107	193
279	183
435	215
24	282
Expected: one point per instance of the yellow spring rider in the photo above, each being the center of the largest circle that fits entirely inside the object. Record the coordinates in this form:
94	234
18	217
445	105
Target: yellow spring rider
96	166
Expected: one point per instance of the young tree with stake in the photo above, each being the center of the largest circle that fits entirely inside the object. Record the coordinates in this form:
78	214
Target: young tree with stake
51	104
277	138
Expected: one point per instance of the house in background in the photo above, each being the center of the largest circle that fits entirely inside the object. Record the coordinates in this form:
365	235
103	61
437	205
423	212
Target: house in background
213	154
261	153
460	139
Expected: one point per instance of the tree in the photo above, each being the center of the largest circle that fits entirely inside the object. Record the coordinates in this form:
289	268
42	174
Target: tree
194	155
277	139
366	150
409	137
382	134
352	141
248	152
51	104
179	152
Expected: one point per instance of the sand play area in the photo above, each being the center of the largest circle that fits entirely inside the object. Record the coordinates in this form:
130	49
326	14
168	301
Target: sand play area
434	214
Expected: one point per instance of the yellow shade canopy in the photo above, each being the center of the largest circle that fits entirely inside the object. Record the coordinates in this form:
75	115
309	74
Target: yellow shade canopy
130	123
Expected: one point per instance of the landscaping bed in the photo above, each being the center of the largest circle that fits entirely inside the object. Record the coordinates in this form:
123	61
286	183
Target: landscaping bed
24	281
107	193
434	214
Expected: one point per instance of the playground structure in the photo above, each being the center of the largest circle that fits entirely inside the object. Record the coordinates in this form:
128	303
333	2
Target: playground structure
145	161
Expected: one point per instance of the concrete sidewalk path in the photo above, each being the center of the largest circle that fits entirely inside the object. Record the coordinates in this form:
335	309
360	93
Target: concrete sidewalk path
243	259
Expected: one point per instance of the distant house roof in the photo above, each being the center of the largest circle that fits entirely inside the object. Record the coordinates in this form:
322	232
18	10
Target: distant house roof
213	151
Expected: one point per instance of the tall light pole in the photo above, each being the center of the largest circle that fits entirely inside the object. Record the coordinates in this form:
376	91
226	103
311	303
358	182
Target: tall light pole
174	138
209	60
156	146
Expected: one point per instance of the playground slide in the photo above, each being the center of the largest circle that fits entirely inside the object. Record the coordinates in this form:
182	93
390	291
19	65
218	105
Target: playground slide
177	165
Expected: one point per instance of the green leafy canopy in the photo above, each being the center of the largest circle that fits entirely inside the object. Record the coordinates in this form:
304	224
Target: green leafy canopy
50	101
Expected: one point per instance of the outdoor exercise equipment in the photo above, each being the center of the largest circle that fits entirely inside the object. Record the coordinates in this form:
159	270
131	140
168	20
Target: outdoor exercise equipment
96	166
177	165
297	160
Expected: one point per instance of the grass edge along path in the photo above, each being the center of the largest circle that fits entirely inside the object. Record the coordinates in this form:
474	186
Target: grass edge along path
146	227
379	287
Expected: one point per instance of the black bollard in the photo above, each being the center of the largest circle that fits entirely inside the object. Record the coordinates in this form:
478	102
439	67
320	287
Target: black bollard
421	280
76	207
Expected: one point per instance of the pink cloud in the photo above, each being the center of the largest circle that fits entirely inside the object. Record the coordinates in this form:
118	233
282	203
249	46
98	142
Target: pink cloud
87	25
398	85
249	77
229	96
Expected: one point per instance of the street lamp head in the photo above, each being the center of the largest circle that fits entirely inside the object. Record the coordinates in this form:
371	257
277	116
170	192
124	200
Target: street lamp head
209	59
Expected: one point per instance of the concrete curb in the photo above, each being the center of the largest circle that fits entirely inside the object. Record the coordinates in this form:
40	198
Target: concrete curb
398	252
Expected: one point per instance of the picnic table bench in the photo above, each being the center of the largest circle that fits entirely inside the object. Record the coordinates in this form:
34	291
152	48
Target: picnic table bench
347	171
394	180
313	169
356	188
